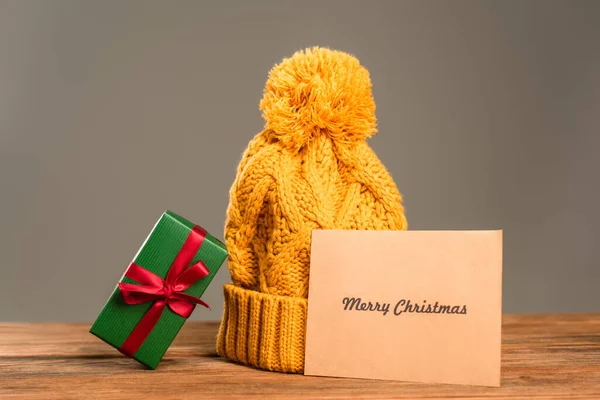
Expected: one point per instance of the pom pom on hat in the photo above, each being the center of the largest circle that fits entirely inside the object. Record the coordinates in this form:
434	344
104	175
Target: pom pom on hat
318	92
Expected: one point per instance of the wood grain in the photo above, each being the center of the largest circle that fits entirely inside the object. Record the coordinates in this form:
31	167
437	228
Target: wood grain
543	356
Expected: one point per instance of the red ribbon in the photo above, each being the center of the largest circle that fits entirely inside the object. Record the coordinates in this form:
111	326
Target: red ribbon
164	292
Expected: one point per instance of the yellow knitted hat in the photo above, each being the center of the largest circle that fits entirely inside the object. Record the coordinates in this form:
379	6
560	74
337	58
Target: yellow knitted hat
310	168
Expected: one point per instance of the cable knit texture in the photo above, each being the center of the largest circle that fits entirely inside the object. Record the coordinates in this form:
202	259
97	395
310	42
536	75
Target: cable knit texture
310	168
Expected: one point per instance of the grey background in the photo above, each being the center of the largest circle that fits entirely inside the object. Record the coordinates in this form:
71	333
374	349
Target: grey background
112	111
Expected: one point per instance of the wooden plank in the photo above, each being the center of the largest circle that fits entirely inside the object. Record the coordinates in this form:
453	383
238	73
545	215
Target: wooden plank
543	356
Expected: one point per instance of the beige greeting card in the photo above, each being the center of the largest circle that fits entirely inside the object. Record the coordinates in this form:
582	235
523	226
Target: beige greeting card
422	306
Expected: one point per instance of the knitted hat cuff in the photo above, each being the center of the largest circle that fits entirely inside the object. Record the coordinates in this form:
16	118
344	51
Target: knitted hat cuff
263	330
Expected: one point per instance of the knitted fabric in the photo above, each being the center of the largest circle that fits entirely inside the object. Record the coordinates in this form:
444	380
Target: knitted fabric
310	168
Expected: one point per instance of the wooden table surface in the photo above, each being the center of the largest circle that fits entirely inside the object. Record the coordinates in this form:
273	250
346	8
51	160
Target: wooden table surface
543	356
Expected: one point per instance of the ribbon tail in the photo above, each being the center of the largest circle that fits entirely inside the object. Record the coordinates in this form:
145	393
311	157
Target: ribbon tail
181	308
203	303
186	298
139	334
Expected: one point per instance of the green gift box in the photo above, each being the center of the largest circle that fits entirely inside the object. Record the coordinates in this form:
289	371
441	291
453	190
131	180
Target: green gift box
160	288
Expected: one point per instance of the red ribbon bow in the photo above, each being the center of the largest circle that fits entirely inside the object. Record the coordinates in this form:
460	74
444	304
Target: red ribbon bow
164	292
